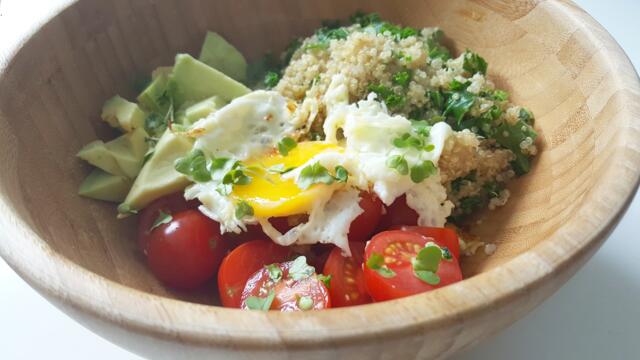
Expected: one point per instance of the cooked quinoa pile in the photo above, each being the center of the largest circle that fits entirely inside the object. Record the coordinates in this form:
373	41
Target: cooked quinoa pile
415	76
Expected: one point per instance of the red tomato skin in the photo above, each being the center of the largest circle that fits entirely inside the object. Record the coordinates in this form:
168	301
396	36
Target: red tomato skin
170	204
366	223
241	263
187	251
440	235
398	213
287	291
404	283
347	287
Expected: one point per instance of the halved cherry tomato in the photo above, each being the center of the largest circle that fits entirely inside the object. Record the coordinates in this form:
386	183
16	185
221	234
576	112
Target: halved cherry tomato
170	204
398	213
243	262
366	223
398	248
441	236
187	251
288	292
347	286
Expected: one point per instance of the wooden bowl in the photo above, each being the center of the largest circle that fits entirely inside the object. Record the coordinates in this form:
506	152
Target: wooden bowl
550	55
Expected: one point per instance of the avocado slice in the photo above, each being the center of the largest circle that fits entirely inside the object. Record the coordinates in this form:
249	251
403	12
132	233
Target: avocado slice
128	151
101	185
193	80
97	154
219	54
123	114
197	111
156	97
158	176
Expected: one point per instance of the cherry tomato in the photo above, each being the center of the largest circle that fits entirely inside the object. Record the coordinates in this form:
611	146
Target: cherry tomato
442	236
398	249
366	223
347	286
187	251
398	213
243	262
288	292
169	204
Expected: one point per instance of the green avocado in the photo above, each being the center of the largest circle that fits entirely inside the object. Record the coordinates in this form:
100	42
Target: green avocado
219	54
120	113
189	115
122	156
193	80
104	186
156	97
158	176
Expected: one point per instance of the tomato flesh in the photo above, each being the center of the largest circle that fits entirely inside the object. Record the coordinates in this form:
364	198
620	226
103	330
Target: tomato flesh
347	287
398	249
445	237
363	225
187	251
398	213
170	204
288	292
241	263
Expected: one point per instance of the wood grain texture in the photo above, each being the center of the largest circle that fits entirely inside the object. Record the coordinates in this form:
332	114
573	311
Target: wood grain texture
550	55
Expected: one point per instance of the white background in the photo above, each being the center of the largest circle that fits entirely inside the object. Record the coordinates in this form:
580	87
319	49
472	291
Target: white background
596	315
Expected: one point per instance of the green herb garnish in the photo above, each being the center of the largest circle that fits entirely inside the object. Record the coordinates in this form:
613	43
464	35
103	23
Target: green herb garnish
326	279
376	262
258	303
426	263
275	273
401	78
386	94
271	79
342	175
243	209
399	164
163	218
285	145
458	104
305	303
314	174
194	166
419	172
300	269
474	63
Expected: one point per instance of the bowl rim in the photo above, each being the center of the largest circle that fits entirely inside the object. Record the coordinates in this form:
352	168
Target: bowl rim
561	255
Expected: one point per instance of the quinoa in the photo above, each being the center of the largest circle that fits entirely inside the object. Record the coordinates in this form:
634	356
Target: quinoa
415	76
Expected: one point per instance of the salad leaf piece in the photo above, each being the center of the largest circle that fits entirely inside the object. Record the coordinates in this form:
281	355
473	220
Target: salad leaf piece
300	269
474	63
243	209
163	218
285	145
314	174
376	262
258	303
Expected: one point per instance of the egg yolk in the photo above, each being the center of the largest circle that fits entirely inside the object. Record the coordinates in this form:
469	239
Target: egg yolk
272	196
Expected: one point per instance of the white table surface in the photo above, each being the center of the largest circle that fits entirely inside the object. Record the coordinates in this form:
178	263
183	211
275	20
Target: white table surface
596	315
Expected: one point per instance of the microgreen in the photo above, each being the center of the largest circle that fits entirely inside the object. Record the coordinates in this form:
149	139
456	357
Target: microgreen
342	175
243	209
474	63
163	218
285	145
314	174
275	273
425	264
399	164
326	279
300	269
421	171
376	262
194	166
258	303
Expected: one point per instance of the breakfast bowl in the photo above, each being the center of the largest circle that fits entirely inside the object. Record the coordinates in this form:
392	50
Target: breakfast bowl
549	55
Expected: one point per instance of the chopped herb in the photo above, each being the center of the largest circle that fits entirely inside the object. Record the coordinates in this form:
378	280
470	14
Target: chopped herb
458	104
401	78
511	136
364	19
474	63
526	116
258	303
436	98
493	189
314	174
324	35
458	183
500	95
305	303
397	32
422	171
285	145
326	279
163	218
300	269
386	94
342	175
376	262
275	273
399	164
194	166
436	50
271	79
456	85
469	203
243	209
257	70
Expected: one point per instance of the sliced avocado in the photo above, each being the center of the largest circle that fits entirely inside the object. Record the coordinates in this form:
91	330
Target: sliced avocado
197	111
158	176
128	150
104	186
219	54
156	96
123	114
97	154
193	80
